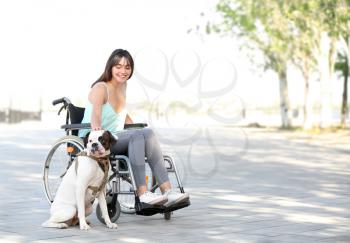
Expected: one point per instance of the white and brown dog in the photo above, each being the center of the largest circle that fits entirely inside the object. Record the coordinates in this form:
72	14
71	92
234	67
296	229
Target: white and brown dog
84	180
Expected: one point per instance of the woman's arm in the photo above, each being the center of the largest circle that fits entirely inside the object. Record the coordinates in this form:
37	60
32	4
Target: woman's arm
97	98
128	119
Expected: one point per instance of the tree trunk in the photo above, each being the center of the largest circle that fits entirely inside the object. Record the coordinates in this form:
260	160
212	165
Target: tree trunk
345	106
325	80
284	99
307	107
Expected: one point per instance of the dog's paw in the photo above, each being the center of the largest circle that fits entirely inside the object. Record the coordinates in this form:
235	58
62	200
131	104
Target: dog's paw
112	225
63	226
84	226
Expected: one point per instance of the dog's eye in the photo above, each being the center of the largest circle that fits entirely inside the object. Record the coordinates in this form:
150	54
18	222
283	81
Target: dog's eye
90	140
102	141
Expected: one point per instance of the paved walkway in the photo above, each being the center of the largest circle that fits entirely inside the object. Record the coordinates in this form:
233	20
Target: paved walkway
249	185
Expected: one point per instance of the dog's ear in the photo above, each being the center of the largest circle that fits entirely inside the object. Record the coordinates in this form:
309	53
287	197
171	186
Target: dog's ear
112	138
86	139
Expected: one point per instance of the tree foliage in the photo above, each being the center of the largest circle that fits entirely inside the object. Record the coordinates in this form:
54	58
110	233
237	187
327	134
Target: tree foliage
300	32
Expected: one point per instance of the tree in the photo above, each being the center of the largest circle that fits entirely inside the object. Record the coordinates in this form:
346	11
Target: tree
319	25
302	55
304	32
335	21
343	64
326	14
262	24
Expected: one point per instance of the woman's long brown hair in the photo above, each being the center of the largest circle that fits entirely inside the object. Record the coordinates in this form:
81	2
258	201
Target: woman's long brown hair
113	60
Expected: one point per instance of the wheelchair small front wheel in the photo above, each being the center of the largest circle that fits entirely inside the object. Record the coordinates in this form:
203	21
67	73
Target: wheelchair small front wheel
167	215
113	211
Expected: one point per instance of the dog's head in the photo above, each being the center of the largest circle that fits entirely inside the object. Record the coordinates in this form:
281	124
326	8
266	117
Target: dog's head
98	143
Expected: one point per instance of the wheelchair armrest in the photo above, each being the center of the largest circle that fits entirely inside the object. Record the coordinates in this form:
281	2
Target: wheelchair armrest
135	125
88	125
76	126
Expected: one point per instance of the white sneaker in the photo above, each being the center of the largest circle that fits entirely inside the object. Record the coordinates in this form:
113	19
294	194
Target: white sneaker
175	197
152	198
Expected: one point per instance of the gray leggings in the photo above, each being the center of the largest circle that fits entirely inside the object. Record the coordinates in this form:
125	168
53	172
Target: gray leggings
138	144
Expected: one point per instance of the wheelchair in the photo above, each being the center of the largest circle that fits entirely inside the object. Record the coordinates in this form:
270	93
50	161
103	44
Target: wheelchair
121	195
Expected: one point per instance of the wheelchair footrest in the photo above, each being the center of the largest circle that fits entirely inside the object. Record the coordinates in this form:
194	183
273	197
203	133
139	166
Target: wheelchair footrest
149	209
177	206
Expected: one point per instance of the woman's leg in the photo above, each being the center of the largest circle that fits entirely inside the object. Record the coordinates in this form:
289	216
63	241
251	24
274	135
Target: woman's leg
137	144
155	159
130	143
156	162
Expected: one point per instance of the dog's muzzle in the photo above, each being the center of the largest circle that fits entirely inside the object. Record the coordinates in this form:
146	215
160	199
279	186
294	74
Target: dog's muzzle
94	147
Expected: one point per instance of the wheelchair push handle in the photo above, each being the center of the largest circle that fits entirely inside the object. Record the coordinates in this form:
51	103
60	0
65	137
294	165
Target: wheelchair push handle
64	100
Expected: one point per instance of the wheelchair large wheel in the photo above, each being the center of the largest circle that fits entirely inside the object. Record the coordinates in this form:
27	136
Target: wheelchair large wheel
58	160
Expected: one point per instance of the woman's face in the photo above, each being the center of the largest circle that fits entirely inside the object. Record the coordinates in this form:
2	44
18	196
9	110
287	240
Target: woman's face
121	71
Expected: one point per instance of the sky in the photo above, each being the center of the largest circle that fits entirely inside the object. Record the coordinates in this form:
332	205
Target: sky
50	49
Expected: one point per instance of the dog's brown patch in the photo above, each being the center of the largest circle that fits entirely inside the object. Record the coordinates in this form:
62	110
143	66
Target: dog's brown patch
107	140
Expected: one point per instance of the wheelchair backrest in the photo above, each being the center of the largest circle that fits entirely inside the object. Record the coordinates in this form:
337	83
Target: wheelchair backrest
76	115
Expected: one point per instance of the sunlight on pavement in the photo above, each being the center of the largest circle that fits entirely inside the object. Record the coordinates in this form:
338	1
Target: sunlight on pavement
239	198
312	218
130	239
11	239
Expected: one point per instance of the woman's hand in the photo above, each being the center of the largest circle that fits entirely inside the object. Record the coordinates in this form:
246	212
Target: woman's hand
96	128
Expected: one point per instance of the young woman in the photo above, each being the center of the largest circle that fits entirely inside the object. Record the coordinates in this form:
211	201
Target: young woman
106	110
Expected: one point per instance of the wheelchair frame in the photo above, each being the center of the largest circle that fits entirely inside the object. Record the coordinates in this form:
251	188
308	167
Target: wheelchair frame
73	123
